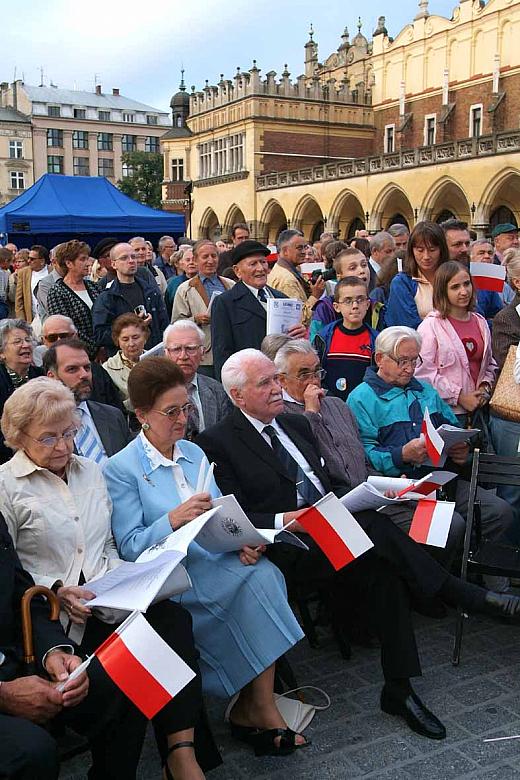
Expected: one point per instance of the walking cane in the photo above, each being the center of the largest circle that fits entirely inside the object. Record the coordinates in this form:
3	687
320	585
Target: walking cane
27	632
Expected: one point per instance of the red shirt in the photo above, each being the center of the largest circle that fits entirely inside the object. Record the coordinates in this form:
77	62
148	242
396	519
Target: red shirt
471	337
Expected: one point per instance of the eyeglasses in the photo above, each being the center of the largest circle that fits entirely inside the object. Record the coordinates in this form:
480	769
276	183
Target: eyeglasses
51	441
351	301
174	413
405	362
320	373
190	349
19	342
52	337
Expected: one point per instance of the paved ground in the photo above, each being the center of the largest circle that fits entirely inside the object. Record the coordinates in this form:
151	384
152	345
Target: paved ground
354	739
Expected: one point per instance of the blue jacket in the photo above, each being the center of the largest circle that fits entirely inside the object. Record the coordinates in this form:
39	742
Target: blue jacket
110	304
389	417
322	340
401	308
143	495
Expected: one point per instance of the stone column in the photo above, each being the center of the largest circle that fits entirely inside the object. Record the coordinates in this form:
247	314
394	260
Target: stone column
68	168
116	145
93	154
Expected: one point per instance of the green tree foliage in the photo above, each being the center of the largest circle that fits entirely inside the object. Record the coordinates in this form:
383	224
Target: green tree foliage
145	183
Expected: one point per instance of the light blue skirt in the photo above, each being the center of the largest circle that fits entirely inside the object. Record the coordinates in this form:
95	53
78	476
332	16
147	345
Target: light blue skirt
242	621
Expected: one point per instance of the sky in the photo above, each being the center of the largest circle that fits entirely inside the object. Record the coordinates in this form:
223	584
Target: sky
140	48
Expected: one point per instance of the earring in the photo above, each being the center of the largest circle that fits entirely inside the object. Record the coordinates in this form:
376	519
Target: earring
145	427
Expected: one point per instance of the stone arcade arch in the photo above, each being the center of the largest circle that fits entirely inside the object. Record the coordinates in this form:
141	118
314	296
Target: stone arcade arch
390	206
272	222
209	225
346	215
500	201
308	218
234	215
446	196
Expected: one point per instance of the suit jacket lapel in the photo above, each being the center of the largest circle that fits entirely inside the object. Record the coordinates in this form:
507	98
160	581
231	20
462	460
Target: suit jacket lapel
197	285
311	456
102	427
256	443
246	300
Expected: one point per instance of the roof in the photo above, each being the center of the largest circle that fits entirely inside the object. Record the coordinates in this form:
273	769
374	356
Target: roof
83	98
176	132
82	204
11	115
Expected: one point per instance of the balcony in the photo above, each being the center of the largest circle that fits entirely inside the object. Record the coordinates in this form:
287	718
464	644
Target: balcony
451	151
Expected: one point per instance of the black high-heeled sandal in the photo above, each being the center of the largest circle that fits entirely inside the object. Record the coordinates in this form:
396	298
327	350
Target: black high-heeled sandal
177	745
263	740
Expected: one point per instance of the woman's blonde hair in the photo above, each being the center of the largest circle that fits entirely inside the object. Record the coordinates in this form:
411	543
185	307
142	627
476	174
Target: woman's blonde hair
511	261
43	400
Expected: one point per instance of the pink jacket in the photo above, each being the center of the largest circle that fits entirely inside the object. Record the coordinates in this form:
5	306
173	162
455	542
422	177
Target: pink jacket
445	363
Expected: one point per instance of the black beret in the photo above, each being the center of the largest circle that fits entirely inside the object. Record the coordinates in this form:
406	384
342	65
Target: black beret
248	248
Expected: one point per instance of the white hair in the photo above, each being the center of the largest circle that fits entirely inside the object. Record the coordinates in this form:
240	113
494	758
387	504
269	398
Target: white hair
233	374
292	347
380	239
183	326
390	339
54	317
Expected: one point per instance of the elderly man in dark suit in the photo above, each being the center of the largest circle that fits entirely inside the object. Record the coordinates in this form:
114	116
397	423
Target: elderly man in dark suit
104	429
239	316
184	344
271	462
27	750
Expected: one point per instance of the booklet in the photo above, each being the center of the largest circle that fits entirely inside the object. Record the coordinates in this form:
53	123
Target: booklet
214	294
137	585
282	314
451	434
368	496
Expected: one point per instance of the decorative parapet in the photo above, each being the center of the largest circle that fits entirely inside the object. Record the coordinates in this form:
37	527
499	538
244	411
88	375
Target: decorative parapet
499	143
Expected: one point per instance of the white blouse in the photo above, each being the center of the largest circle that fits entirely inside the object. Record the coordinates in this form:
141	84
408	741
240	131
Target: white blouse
59	528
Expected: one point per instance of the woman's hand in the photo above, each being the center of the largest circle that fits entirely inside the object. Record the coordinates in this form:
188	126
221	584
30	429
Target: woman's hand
251	555
70	599
189	510
470	401
202	319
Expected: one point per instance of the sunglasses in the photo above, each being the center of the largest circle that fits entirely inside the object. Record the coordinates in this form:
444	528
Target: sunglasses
52	337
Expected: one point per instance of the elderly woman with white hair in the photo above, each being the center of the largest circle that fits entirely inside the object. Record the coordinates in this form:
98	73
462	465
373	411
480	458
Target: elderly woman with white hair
389	407
242	621
57	510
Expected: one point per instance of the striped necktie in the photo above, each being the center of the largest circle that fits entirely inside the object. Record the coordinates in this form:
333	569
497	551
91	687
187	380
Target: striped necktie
86	440
305	487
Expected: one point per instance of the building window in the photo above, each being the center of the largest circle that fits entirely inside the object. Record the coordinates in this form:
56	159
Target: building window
151	144
151	119
54	163
17	180
105	167
104	116
128	117
430	129
205	160
15	150
475	121
178	170
53	111
105	142
220	157
235	152
80	113
127	171
79	139
81	166
54	137
128	143
389	140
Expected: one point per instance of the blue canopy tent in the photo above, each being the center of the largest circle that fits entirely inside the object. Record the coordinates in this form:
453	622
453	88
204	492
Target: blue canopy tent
57	208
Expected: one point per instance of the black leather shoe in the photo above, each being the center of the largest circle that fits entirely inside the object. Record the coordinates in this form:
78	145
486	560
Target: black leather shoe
502	604
418	717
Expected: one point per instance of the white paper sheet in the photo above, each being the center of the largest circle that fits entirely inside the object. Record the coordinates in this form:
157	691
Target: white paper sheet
214	295
367	496
389	483
283	313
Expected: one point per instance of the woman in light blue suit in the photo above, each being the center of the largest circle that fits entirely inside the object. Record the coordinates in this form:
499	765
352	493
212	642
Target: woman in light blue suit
242	621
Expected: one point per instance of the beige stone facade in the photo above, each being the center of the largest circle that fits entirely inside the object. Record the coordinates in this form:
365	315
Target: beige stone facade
16	154
84	133
422	126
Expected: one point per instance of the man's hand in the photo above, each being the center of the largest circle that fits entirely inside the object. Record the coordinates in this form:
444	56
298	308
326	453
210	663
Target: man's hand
290	516
202	319
459	453
251	555
70	599
59	666
312	397
415	451
297	331
31	698
189	510
317	287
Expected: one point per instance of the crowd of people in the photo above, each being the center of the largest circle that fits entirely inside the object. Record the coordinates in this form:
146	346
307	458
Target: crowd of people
125	372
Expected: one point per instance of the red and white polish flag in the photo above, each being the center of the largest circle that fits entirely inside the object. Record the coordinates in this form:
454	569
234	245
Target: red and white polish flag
335	530
142	665
428	484
431	522
433	441
488	276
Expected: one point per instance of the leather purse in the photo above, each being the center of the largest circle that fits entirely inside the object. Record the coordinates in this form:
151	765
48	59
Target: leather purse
505	401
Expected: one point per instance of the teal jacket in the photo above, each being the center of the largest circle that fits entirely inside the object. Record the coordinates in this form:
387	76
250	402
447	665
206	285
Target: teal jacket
389	417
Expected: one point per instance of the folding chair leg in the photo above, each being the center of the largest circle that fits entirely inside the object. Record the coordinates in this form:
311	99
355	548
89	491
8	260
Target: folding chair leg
457	644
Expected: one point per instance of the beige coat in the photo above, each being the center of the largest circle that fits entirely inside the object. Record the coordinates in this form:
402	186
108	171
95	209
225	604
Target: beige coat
119	373
284	281
191	299
23	296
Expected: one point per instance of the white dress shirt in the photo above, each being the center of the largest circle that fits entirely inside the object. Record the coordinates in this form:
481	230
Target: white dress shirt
254	291
375	265
83	406
293	450
195	398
